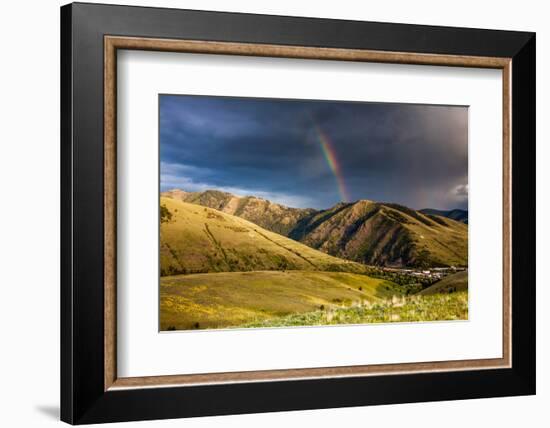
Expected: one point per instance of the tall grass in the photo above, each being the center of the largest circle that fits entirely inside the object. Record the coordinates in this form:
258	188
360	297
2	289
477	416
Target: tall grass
437	307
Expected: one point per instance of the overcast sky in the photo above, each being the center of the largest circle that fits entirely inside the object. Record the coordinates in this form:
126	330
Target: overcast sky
316	153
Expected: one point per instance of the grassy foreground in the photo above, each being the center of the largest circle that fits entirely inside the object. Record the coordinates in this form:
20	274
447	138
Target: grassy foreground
229	299
436	307
295	298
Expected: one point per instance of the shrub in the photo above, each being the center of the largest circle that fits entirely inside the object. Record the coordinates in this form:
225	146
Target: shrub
165	214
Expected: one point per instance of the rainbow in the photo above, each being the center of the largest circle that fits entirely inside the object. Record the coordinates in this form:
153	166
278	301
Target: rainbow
332	162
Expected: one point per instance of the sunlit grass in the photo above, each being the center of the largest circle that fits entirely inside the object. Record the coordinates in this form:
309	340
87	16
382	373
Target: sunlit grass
437	307
226	299
296	298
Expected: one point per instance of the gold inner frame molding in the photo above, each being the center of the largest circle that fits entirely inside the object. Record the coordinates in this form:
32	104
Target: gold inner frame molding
113	43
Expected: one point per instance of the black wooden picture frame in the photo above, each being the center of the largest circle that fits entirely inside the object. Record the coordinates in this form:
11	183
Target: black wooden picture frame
84	397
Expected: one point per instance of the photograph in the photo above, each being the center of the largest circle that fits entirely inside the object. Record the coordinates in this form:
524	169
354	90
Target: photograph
262	212
290	213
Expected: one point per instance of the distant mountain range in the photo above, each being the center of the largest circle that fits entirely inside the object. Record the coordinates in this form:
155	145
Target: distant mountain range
458	215
364	231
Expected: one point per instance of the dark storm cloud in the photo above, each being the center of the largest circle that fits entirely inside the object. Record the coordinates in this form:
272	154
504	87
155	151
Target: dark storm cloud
416	155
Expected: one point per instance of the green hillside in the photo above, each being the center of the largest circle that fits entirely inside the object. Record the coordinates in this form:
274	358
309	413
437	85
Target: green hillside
229	299
196	239
449	284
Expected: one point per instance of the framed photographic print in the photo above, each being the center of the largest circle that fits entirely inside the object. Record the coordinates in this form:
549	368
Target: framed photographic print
265	213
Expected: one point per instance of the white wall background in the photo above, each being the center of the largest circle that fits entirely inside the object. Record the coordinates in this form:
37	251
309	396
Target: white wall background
29	214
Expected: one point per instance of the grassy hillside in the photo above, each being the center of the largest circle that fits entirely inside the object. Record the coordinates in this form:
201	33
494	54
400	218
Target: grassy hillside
364	231
196	239
269	215
222	271
385	234
218	300
449	284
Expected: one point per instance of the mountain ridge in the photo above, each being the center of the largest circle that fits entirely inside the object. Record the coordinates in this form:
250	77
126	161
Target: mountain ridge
197	239
454	214
363	231
272	216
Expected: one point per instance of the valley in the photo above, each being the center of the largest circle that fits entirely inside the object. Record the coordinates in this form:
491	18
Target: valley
230	262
